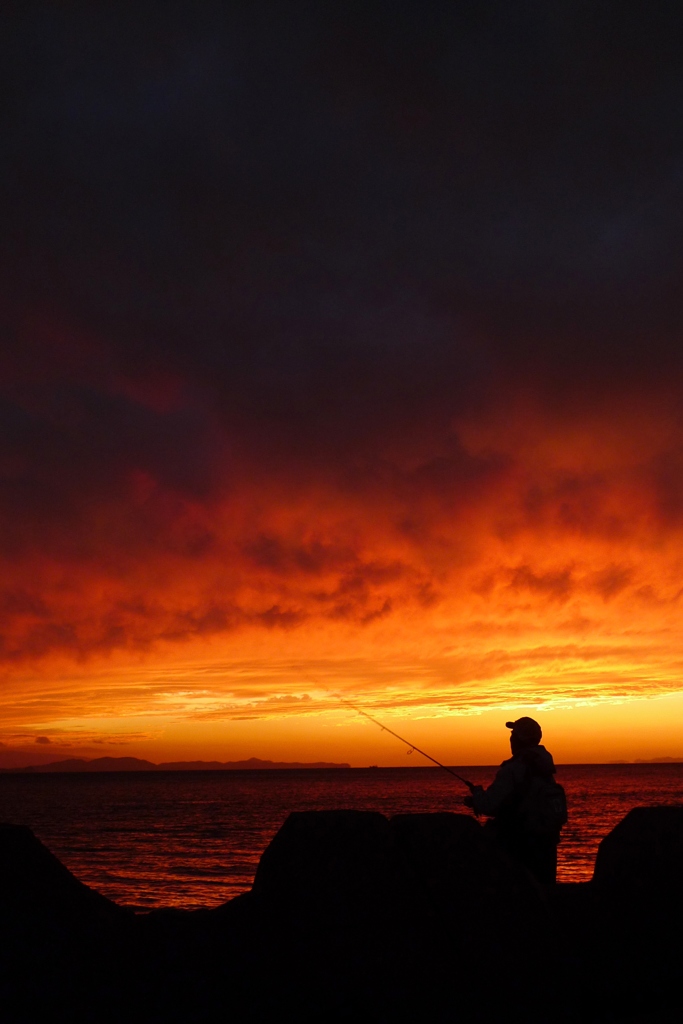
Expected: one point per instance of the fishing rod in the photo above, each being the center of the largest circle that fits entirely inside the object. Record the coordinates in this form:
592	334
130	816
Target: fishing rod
385	728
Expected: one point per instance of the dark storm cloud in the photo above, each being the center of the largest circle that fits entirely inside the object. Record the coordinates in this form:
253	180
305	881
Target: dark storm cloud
78	448
299	234
280	196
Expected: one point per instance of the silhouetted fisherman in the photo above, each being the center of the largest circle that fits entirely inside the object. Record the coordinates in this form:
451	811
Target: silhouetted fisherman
527	807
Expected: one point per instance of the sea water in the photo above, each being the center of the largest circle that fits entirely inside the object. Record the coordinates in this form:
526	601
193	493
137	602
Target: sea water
193	839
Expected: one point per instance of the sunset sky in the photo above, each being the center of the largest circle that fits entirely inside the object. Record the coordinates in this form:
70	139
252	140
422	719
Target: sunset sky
342	353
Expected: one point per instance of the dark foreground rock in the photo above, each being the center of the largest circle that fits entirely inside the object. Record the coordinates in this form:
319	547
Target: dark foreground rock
62	942
644	849
627	921
395	915
354	917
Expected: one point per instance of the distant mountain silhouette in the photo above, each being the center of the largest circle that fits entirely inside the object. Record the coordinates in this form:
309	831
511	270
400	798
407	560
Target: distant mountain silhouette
136	764
658	760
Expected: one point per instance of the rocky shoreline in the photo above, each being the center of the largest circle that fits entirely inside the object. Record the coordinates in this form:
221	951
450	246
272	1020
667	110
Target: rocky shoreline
353	916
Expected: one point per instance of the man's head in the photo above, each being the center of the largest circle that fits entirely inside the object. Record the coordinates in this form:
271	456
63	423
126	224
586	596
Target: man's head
525	733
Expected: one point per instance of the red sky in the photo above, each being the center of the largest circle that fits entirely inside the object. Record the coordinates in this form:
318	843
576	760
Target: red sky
529	568
340	357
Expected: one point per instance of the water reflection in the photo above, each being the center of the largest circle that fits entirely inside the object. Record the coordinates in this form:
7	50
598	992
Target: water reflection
193	839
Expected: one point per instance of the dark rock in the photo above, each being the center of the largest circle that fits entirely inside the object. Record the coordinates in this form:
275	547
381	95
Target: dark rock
391	912
329	858
325	859
621	932
447	869
442	865
35	886
356	917
65	949
644	849
452	855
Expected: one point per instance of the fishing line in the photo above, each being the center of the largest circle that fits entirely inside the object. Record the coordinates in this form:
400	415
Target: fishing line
411	746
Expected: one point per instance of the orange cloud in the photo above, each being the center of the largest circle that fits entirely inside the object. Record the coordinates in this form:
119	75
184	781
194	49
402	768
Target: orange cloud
531	530
516	555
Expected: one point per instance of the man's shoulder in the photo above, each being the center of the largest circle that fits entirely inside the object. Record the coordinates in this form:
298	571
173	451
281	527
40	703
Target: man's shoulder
539	760
514	767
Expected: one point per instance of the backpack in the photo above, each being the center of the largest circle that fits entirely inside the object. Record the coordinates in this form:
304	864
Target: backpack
542	808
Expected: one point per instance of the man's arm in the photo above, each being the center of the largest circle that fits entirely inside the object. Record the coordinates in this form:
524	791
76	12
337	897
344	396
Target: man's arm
489	801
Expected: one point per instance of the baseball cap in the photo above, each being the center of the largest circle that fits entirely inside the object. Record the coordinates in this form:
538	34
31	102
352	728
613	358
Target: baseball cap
526	729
